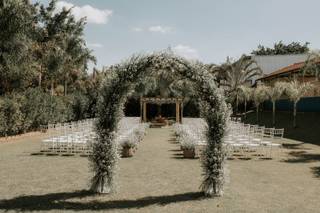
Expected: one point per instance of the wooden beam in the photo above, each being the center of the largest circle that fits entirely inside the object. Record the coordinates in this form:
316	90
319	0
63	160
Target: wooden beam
144	112
181	112
177	112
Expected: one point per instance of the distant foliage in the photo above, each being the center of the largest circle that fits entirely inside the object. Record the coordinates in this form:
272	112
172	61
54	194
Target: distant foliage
28	111
80	106
11	117
283	49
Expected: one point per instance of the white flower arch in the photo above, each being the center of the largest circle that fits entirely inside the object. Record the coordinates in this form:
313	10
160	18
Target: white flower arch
113	95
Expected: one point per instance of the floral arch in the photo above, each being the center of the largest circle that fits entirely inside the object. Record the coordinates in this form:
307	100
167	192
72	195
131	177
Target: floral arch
113	95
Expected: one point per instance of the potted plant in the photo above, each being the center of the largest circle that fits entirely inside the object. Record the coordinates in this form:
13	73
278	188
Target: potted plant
128	148
188	147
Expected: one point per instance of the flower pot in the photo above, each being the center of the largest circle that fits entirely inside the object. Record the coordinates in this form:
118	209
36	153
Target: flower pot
188	153
127	152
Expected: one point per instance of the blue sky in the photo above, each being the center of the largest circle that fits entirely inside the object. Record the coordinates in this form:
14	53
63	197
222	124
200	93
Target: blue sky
208	30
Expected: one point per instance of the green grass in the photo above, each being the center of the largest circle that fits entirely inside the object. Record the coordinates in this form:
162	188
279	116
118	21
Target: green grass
308	124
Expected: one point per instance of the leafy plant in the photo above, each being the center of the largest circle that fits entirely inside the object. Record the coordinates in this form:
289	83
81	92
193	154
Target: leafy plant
245	95
259	96
233	75
274	93
296	90
187	143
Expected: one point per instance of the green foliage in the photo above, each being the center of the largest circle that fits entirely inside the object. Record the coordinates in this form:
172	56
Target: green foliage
12	121
283	49
311	65
15	45
234	75
30	110
40	46
80	106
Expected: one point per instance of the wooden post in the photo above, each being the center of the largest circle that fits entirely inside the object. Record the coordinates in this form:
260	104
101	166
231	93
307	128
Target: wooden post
144	112
177	112
181	112
141	110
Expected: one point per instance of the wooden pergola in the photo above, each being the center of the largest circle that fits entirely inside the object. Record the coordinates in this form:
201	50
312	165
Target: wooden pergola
157	100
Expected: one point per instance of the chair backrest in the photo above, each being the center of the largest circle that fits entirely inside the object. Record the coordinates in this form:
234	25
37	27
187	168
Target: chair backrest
268	132
278	133
259	131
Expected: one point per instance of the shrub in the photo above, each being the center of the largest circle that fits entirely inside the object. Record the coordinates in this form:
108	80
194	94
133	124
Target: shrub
80	105
11	117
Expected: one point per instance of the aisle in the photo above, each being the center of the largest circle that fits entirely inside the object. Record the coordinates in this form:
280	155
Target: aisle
158	168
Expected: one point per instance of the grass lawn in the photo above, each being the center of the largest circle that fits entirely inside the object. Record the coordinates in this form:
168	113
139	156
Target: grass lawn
158	179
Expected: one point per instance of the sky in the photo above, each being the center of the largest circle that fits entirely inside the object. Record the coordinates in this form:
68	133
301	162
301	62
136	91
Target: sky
206	30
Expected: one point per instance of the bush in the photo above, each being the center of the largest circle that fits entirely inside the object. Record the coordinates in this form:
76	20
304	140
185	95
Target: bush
40	108
80	105
11	117
33	108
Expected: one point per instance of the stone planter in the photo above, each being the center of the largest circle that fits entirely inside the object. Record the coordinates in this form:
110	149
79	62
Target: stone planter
127	152
188	153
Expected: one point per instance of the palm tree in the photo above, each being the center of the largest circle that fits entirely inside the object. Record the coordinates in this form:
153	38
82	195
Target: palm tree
245	95
274	93
296	91
259	96
236	74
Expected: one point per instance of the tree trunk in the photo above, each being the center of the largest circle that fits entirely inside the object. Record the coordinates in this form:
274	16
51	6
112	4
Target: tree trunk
273	113
294	114
237	104
52	88
40	77
245	109
65	87
257	111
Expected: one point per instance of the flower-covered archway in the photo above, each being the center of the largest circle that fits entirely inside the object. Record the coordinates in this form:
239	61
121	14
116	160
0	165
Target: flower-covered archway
113	96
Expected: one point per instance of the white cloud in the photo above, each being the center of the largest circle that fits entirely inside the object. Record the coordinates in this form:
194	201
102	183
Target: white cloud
186	51
93	15
137	29
95	45
160	29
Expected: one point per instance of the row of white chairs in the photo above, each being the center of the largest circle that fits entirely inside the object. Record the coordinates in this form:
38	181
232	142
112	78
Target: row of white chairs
244	139
78	137
247	139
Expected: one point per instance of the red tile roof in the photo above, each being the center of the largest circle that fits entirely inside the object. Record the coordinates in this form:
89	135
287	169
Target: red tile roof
289	69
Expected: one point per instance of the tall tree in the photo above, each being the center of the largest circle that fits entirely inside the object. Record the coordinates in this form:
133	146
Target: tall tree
280	48
235	74
274	93
245	95
259	96
16	20
63	45
296	90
